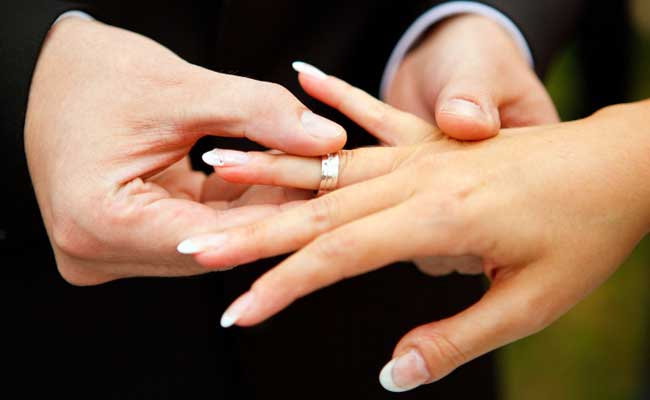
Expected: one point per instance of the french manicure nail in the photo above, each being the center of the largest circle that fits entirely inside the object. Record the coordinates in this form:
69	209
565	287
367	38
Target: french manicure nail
236	310
308	69
464	108
200	244
225	158
405	372
320	127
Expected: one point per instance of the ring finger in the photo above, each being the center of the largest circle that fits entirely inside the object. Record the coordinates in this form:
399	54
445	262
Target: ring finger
304	172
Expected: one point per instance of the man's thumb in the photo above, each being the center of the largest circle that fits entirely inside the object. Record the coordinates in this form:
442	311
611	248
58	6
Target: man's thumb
467	110
266	113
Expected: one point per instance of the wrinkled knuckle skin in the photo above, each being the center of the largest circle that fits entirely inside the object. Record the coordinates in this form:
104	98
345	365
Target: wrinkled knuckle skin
443	212
253	235
332	246
442	355
333	252
276	95
275	103
323	212
378	116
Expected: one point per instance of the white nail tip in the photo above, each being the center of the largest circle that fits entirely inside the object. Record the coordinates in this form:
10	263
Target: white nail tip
236	310
227	320
386	378
308	69
212	158
188	247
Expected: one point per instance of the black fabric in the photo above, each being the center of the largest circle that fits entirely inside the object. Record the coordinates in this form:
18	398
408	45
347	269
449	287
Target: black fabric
158	338
546	24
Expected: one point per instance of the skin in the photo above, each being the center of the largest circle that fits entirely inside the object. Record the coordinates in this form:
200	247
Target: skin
111	119
117	205
455	62
551	211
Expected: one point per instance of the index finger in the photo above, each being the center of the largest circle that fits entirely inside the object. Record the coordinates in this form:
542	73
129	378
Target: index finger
388	124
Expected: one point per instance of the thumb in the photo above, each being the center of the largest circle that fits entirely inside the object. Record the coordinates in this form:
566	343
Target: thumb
509	311
467	108
266	113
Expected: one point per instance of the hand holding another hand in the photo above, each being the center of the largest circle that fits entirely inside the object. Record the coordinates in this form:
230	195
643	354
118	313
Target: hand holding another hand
111	118
551	211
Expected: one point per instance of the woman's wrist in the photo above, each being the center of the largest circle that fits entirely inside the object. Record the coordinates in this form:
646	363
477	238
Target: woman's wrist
628	129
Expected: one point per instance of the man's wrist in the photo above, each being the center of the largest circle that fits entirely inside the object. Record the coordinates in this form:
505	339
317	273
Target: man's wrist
480	26
437	14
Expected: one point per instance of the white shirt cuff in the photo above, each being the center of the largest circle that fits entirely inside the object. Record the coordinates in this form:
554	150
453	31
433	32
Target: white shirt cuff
436	14
73	13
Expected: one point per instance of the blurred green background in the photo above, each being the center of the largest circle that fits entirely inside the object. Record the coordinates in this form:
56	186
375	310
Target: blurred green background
601	349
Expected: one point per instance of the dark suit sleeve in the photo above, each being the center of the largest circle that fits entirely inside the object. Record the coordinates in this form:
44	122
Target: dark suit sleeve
23	27
546	24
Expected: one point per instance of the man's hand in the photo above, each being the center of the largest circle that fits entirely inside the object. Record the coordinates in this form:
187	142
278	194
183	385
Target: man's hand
469	77
109	112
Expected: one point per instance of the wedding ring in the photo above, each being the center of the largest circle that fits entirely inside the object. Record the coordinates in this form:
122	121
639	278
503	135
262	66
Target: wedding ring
329	176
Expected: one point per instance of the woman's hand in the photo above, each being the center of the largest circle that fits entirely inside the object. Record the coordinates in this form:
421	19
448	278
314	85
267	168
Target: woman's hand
551	211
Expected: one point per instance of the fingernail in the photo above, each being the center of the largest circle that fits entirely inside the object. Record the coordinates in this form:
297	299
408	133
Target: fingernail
320	127
464	108
225	158
236	310
406	372
308	69
200	244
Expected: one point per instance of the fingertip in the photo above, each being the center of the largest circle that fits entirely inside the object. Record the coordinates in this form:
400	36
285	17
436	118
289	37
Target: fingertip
308	70
238	175
219	258
465	119
313	86
464	129
312	135
237	310
326	90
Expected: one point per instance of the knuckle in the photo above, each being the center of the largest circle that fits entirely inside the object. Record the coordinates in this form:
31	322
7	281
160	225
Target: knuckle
378	115
451	212
254	235
324	212
276	92
442	355
442	209
330	246
328	251
277	101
